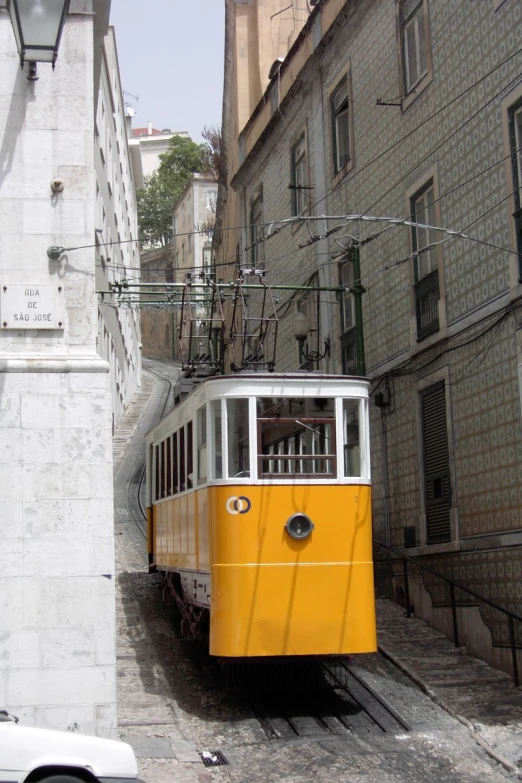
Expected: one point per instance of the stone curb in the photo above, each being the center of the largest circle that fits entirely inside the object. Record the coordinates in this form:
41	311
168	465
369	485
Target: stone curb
443	704
183	748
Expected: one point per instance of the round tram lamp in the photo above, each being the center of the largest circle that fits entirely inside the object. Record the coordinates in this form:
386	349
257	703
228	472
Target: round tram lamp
38	27
299	526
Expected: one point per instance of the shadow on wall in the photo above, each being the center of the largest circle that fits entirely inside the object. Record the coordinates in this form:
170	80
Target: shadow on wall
22	94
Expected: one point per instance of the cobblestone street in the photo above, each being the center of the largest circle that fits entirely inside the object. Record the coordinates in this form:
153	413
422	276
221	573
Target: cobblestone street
172	704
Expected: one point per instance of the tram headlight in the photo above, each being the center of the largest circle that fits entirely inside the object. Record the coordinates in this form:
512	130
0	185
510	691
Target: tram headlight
299	526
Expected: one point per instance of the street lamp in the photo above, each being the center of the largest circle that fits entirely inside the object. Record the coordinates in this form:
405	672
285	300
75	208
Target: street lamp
301	328
38	26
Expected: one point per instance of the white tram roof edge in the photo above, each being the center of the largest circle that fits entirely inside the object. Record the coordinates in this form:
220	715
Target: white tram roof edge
262	384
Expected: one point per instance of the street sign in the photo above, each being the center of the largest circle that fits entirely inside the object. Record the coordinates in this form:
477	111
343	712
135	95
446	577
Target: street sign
32	306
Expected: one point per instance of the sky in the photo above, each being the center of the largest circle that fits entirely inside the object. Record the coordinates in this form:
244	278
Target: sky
171	57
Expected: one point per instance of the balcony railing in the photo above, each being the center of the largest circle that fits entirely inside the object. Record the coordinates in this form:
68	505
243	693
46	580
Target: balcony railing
427	304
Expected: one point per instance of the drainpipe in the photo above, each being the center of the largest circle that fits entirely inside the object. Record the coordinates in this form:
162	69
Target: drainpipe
383	401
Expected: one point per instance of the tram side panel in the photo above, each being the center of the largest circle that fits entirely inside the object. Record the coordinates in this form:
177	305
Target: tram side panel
275	596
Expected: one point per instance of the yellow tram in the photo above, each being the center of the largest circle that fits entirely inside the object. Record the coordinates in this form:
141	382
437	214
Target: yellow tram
259	514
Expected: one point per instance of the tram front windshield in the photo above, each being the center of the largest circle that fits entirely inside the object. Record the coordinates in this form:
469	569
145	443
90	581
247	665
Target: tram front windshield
296	436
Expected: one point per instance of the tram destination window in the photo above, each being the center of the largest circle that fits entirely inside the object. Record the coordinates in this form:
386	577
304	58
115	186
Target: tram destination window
296	437
157	493
218	439
202	445
169	466
351	434
238	438
190	456
175	463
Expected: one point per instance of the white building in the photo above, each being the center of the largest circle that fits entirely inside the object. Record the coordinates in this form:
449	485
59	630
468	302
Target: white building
147	144
116	231
57	616
193	219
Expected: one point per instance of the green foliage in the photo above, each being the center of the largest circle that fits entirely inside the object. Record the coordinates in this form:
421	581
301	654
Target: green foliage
155	211
178	164
162	189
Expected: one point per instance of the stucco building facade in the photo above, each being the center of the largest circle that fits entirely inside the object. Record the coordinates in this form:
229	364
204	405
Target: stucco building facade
57	393
189	253
408	113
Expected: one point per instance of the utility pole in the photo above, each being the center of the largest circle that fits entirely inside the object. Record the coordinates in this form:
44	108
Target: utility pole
358	290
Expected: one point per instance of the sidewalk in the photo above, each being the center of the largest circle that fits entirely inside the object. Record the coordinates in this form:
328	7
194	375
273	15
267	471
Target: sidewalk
482	698
147	717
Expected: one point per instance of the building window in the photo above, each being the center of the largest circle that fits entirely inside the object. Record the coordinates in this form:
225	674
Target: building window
425	261
416	56
348	333
515	138
340	118
211	200
299	176
437	479
257	250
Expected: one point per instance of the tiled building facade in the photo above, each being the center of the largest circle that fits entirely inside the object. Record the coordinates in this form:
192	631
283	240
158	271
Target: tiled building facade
409	110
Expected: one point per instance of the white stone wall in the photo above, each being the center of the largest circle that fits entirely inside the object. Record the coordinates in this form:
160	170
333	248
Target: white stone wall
57	617
116	217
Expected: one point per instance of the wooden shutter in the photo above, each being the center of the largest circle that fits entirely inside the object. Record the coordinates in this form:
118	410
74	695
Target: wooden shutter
437	482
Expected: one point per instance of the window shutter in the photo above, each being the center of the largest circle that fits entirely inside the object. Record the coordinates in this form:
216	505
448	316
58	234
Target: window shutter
437	480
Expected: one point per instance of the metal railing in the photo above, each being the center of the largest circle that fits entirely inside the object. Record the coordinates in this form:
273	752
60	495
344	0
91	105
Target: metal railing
512	616
427	304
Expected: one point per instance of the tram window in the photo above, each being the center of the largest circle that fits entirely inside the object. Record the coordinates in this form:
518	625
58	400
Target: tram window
175	462
156	474
182	464
169	466
162	472
298	436
351	434
190	460
238	438
218	439
202	444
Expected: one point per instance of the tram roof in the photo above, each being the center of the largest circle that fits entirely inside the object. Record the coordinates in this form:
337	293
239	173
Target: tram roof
265	380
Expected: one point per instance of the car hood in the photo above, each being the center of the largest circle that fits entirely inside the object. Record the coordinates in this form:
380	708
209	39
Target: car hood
23	748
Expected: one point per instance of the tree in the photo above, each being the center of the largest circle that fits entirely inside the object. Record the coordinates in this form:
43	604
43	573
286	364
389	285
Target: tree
213	149
155	211
183	158
162	189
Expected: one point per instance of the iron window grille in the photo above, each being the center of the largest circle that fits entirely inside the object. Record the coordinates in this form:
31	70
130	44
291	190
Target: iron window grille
427	305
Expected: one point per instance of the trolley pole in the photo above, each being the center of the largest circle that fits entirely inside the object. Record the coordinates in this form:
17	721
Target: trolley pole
358	290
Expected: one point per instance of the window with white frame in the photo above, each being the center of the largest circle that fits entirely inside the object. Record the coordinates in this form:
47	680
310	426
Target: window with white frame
414	36
426	255
299	176
340	120
211	200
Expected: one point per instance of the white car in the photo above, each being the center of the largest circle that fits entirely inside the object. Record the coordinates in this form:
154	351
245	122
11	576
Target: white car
31	755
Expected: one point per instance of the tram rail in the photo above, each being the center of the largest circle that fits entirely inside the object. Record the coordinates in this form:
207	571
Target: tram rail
339	702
